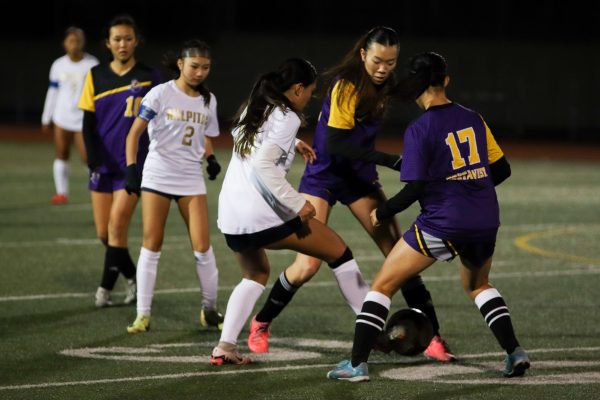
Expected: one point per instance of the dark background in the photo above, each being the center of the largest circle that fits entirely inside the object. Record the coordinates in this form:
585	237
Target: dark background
530	68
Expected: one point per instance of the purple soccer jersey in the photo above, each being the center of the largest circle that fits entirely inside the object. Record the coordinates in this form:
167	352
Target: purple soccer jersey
331	174
115	100
450	147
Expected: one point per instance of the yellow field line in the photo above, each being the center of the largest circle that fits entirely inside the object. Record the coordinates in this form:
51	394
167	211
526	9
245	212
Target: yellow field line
523	242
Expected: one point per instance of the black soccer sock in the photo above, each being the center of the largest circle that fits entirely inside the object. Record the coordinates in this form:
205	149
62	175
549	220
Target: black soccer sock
120	258
369	323
281	294
111	268
496	315
417	296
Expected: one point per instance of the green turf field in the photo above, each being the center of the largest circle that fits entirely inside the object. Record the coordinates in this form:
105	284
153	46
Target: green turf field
55	345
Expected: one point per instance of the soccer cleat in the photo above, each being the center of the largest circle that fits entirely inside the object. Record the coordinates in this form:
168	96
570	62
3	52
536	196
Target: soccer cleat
344	371
258	338
141	324
221	357
438	350
103	297
211	318
60	199
130	292
516	363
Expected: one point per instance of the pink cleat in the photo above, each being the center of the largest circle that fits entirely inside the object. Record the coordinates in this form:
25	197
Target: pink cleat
439	350
221	357
258	339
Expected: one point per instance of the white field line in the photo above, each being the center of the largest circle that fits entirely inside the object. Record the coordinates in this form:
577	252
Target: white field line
506	275
500	275
166	376
435	371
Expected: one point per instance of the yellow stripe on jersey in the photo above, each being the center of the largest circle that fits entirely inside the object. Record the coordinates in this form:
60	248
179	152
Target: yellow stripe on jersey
121	89
341	115
86	101
418	235
494	151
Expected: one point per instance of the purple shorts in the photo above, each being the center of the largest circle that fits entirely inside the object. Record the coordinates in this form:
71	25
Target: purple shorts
475	252
106	182
334	189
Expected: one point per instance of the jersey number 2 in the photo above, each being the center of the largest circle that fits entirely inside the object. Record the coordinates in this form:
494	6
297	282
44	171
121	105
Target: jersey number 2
187	138
464	135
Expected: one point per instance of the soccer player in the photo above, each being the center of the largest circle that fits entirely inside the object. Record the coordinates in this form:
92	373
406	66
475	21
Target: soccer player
67	75
110	100
358	93
451	164
258	208
181	117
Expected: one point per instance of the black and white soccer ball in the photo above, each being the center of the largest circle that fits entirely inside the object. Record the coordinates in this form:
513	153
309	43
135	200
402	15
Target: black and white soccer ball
407	332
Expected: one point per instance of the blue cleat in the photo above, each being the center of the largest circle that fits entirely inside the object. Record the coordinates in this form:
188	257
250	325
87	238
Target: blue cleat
344	371
516	363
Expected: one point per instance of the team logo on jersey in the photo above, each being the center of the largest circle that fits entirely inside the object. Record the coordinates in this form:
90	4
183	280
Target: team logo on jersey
135	85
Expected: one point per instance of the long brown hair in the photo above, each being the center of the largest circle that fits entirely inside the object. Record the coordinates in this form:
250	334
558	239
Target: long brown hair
372	99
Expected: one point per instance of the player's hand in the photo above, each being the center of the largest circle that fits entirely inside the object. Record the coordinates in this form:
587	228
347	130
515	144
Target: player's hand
132	180
46	128
307	152
213	168
374	220
307	212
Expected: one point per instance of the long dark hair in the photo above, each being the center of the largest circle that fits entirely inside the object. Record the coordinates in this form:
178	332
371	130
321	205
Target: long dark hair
190	48
372	100
422	71
268	93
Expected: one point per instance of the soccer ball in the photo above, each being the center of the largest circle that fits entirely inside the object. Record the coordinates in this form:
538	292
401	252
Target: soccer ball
407	332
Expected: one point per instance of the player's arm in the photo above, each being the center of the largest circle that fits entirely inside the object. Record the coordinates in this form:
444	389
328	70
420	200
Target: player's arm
499	166
339	145
410	193
500	170
270	180
340	124
133	138
50	102
91	139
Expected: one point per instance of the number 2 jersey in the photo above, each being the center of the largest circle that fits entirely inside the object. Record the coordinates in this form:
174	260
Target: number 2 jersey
450	147
177	126
115	101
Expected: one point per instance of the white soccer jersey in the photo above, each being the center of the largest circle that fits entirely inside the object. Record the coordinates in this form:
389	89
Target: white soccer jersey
255	193
177	126
62	99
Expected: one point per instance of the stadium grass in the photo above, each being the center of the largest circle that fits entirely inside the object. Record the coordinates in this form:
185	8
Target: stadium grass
547	266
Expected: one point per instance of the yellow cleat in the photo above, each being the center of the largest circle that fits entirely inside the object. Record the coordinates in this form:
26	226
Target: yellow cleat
211	318
141	324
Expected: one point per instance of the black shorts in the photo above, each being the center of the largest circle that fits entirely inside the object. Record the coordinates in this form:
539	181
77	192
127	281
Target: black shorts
257	240
167	195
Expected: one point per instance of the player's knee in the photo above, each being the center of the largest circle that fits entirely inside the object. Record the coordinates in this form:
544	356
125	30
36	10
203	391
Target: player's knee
303	270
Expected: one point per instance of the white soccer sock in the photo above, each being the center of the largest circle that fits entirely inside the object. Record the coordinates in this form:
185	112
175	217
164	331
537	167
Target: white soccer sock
351	283
208	276
146	279
61	170
239	307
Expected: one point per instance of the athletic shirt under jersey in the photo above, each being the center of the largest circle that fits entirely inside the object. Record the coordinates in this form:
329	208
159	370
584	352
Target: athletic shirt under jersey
451	147
361	133
66	82
177	126
245	203
115	100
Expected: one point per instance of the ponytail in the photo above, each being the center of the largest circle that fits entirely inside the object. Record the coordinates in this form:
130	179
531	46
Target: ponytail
266	94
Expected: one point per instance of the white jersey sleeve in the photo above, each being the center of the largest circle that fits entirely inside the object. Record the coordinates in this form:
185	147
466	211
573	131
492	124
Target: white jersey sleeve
212	128
151	103
270	181
272	160
51	94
